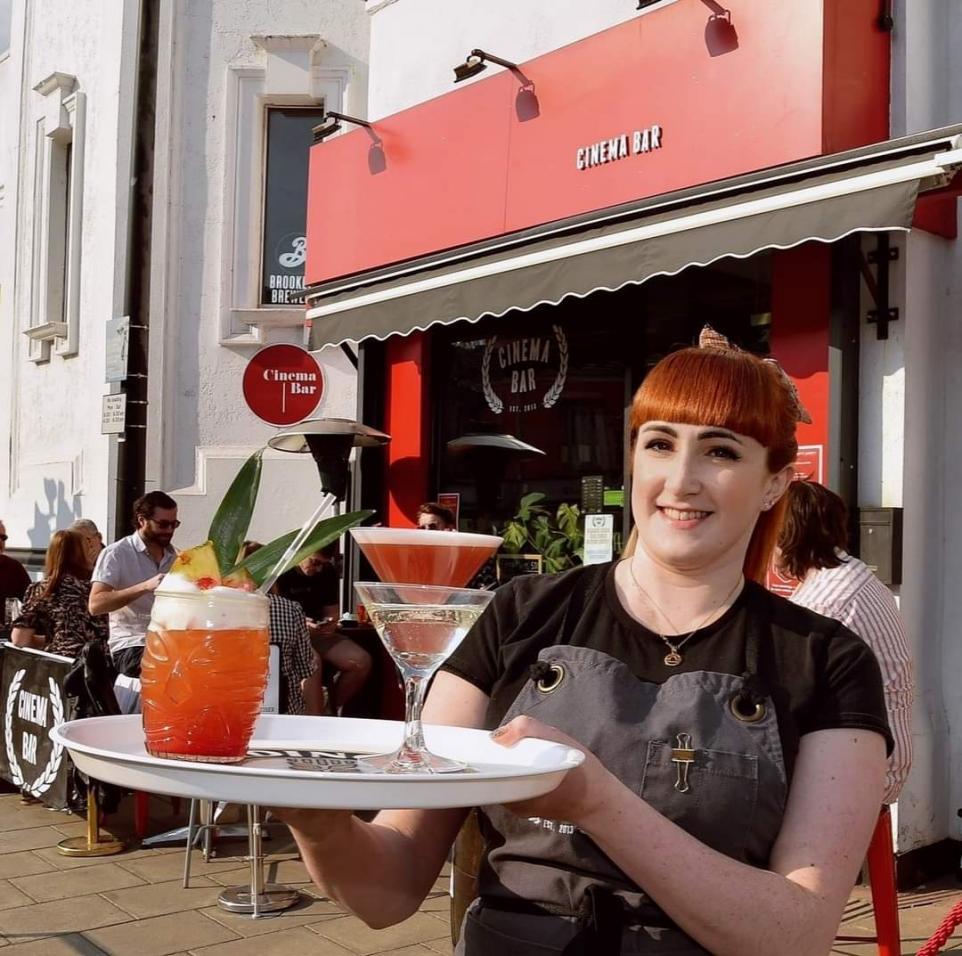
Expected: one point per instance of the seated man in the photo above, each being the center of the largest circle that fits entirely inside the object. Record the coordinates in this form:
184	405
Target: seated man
313	584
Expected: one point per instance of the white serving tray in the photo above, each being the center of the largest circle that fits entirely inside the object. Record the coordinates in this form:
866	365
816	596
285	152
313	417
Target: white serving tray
307	762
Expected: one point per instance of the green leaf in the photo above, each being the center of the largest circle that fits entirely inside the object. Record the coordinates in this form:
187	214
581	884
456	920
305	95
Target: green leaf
228	529
261	562
529	505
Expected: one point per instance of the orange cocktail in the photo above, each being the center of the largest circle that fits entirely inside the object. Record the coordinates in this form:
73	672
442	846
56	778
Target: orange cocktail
413	556
204	673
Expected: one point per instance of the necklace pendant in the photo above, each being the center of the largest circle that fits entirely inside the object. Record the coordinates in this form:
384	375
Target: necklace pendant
672	659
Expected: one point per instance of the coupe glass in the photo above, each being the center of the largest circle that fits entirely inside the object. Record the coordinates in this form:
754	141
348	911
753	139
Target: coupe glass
420	625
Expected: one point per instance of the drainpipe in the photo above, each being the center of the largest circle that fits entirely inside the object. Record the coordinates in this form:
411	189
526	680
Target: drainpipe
128	451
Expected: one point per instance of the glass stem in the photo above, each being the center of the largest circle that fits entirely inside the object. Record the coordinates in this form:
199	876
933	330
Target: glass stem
415	686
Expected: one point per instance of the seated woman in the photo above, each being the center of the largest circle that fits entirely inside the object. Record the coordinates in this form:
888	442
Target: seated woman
735	742
54	616
811	549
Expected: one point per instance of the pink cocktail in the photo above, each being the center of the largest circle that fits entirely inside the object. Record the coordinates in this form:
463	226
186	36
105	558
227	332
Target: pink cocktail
412	556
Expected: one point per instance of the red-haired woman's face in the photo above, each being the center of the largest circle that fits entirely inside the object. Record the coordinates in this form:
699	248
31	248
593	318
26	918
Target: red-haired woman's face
697	492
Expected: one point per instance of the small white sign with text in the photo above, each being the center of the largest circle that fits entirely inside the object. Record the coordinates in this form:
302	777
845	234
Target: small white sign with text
599	538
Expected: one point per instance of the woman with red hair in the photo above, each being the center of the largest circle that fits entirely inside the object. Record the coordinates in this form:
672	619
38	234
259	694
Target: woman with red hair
735	742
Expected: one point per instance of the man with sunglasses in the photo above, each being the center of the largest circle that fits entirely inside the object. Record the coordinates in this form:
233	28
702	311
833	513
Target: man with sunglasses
126	575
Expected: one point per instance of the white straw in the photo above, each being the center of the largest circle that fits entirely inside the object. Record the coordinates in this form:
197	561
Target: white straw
296	544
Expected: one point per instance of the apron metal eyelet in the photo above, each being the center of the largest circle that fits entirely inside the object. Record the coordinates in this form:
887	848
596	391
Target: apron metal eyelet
552	680
746	711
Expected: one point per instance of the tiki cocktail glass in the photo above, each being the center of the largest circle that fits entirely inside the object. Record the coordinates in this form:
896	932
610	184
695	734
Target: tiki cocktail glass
420	625
204	672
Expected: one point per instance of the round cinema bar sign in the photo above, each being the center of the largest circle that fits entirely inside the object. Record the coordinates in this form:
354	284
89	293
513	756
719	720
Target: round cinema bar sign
283	384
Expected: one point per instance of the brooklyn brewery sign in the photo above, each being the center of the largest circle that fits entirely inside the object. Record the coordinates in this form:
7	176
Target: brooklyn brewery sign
33	703
526	373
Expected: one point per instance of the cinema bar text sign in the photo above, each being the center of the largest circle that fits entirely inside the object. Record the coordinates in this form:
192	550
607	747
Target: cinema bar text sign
33	702
283	384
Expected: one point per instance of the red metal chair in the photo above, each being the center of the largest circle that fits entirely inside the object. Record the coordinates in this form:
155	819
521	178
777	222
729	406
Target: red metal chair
885	902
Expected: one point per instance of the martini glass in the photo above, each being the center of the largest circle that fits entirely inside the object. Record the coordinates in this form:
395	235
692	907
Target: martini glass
448	558
420	625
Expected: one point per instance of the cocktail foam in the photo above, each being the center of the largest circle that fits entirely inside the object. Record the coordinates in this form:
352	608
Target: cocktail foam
179	605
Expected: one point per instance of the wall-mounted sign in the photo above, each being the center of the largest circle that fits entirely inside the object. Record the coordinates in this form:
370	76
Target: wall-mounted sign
618	147
283	384
113	415
526	373
118	339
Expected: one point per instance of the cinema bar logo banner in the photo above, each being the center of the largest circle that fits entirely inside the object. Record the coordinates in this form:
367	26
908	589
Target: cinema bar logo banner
31	689
526	373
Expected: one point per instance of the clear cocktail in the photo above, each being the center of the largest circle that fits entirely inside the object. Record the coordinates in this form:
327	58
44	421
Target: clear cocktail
447	558
204	672
420	626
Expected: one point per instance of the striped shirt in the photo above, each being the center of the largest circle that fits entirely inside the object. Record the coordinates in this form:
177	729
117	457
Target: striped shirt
852	594
288	630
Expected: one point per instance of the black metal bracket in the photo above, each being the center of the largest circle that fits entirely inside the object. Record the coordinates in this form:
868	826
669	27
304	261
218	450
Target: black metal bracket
881	257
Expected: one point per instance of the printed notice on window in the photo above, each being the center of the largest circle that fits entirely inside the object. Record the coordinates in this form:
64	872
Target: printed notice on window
599	538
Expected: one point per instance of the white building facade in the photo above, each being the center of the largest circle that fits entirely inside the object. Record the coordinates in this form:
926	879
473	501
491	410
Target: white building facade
134	145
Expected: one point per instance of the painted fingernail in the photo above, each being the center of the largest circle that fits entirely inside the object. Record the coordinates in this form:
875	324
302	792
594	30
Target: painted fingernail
498	732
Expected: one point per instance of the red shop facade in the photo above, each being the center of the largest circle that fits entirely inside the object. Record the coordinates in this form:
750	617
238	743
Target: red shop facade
513	255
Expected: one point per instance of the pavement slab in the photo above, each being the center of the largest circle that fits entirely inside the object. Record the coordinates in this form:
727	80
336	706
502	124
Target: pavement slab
67	944
170	866
10	896
160	936
24	863
309	911
159	899
29	838
360	939
72	915
60	885
288	942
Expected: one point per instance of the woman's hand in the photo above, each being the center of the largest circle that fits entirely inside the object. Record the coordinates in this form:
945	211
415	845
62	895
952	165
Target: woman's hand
582	792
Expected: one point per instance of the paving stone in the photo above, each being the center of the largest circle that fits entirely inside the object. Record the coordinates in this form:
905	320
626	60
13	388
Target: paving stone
158	899
25	863
439	903
443	946
60	862
22	818
69	944
61	885
170	866
359	938
310	911
72	915
31	838
290	942
10	896
160	936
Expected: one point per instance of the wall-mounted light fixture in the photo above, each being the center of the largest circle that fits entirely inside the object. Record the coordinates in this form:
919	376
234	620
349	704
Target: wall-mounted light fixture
332	123
476	62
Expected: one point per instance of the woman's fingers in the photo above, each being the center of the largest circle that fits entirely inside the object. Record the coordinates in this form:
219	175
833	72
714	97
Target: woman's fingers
521	727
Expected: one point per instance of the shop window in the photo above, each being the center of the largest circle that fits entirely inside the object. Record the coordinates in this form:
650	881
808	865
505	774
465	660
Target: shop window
57	206
284	247
560	379
6	16
272	103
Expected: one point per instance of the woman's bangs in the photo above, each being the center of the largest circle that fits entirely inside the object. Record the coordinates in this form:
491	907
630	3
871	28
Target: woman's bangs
705	387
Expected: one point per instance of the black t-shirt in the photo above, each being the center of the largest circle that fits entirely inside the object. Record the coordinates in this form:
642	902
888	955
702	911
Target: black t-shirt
314	592
819	674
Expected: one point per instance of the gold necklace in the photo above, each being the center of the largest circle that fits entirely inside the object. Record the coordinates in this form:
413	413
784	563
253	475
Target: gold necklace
673	658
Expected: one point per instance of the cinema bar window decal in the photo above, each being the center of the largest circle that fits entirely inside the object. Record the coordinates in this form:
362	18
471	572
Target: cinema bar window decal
289	138
525	373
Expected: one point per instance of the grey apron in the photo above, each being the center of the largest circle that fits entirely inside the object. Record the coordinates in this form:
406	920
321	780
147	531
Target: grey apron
702	748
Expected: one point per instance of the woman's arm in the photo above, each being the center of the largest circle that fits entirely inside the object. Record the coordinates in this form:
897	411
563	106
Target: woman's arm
27	637
731	908
382	871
